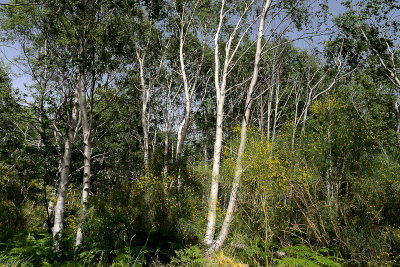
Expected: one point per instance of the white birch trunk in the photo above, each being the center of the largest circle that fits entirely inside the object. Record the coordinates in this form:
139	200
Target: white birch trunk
220	88
212	202
269	110
166	144
295	119
243	139
62	187
169	113
87	154
185	122
145	115
308	104
396	107
220	92
276	113
189	91
261	118
147	87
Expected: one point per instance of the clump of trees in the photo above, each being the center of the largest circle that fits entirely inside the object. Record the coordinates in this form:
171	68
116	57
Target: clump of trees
197	133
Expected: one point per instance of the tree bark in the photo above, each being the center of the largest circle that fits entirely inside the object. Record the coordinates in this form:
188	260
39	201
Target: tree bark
62	187
220	88
269	108
220	93
189	90
276	111
145	115
243	138
396	106
169	114
87	154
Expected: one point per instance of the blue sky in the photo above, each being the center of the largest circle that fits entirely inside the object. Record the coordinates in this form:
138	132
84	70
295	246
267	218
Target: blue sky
20	80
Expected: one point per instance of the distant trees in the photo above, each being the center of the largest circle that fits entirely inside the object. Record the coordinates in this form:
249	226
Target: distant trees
61	51
370	31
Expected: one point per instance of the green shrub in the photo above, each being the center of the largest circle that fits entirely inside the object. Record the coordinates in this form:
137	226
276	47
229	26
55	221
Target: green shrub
188	257
304	256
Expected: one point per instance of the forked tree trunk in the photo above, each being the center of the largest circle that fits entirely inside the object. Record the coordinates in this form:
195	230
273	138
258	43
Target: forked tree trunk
216	245
220	94
189	89
62	187
147	86
220	88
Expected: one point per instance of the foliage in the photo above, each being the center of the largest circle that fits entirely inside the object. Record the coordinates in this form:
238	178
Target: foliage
6	260
304	256
33	249
191	256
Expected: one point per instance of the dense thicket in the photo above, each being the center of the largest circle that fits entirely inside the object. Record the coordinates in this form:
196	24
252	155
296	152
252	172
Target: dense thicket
196	133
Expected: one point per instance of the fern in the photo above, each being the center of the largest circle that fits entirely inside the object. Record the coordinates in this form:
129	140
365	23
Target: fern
188	257
304	256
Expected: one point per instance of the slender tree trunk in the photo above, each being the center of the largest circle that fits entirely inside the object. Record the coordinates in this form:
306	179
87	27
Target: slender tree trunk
220	88
147	88
145	112
276	112
295	121
243	139
166	144
220	93
50	207
154	143
182	132
396	106
261	118
269	113
145	127
168	125
205	141
49	211
306	107
185	122
212	202
87	154
329	184
62	187
189	91
43	141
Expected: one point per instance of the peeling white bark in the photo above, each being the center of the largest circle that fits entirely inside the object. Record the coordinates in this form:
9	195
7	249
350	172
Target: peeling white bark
87	154
216	245
220	88
62	187
220	92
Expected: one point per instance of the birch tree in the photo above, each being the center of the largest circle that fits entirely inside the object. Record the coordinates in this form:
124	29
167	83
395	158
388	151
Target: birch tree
148	47
240	28
39	24
96	70
243	136
189	23
283	17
